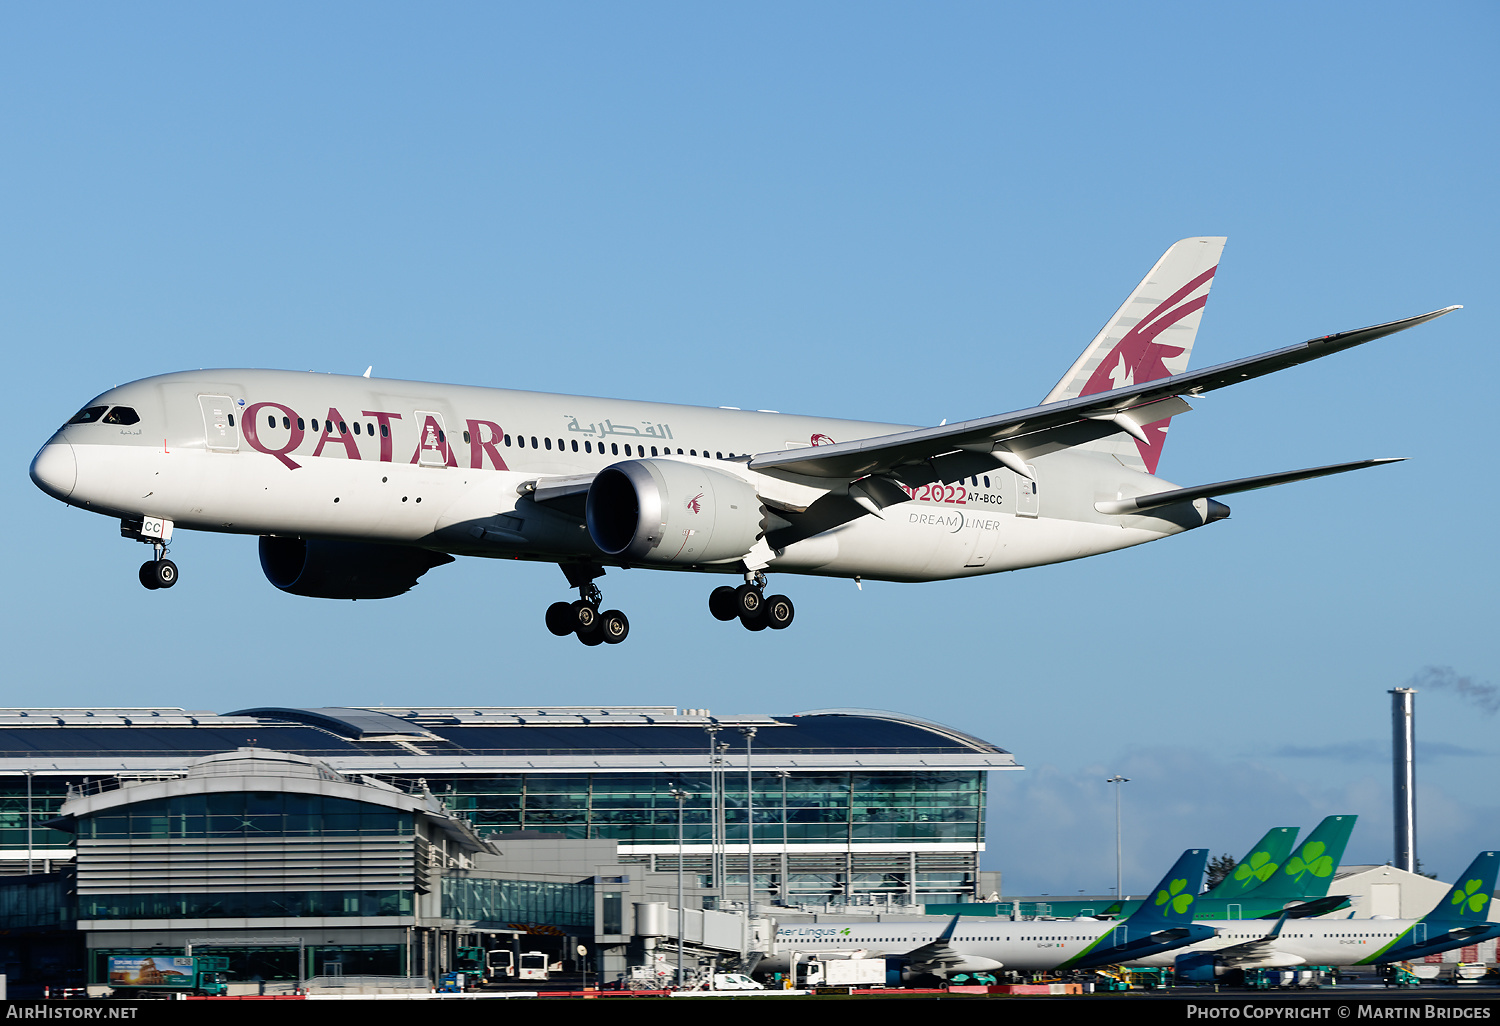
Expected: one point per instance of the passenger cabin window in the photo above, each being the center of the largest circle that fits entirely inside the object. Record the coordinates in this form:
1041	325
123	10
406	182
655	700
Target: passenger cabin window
122	415
385	432
315	423
466	434
88	415
356	428
588	446
548	441
614	448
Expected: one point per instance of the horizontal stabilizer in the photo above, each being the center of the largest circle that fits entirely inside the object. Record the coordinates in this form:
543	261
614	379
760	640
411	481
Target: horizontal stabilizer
1244	484
1307	909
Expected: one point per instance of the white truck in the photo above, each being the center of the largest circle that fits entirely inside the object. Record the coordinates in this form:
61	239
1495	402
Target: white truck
853	973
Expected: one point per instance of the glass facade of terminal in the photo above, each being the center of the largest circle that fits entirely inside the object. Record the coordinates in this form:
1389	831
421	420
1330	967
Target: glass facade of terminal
800	808
247	814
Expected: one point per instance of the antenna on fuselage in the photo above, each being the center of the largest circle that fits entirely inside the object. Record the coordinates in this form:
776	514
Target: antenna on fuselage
369	369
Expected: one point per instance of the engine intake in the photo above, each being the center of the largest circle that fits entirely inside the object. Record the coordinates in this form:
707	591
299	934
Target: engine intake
319	568
672	512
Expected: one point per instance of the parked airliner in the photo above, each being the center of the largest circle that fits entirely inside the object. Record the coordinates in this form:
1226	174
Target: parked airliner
358	486
1460	919
1163	923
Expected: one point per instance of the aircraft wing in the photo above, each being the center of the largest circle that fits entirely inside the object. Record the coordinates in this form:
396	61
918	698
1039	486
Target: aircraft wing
1256	954
953	451
939	958
1260	953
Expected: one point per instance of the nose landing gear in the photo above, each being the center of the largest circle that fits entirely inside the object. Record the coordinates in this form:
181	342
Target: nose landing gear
159	571
583	617
751	606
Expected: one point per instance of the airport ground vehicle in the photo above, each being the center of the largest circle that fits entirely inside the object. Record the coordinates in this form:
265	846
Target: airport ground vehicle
840	972
163	976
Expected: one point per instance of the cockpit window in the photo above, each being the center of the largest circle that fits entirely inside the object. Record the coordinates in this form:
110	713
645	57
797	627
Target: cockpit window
122	415
88	415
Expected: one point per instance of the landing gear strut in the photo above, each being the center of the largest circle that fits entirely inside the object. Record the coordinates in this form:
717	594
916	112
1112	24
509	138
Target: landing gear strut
583	617
159	571
751	606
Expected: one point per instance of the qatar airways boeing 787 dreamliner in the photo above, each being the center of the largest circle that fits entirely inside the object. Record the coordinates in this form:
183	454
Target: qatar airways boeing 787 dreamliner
358	486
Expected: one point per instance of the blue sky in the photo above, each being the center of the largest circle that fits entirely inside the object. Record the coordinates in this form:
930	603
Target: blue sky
885	211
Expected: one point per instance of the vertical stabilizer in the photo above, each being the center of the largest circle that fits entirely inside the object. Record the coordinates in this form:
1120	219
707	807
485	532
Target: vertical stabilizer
1170	902
1149	337
1461	918
1258	866
1468	901
1307	874
1162	921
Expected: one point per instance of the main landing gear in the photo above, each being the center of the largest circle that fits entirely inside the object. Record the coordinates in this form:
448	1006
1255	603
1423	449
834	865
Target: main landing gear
750	604
583	617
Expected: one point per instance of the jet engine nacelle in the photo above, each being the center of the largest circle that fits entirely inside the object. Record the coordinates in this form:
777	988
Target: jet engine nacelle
672	512
319	568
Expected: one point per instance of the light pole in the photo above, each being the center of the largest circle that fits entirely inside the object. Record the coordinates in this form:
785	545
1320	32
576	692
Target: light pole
28	823
681	796
714	809
1117	780
749	733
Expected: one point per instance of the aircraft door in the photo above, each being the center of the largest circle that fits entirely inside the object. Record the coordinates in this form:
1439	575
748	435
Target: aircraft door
1028	499
219	426
433	449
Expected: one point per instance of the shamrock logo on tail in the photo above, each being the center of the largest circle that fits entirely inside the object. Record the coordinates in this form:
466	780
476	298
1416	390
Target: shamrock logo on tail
1259	866
1312	860
1175	893
1476	902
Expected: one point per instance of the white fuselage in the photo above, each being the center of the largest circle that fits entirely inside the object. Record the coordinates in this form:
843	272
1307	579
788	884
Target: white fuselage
442	467
1018	946
1309	941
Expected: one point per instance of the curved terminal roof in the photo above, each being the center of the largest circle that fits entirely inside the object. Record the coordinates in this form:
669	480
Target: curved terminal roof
460	740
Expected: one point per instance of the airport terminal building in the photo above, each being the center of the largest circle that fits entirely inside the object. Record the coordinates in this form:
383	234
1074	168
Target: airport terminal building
388	829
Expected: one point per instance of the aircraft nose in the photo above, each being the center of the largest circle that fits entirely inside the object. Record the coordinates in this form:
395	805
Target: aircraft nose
55	470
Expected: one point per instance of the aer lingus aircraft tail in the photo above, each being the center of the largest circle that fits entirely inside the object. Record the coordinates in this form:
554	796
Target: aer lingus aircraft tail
1258	866
1163	921
1306	875
1462	917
